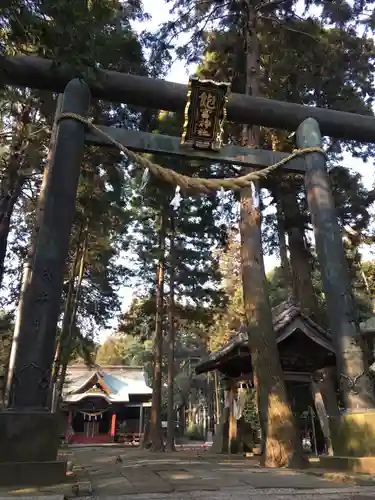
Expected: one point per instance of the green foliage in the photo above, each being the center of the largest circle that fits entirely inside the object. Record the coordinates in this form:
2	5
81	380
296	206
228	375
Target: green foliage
125	350
194	433
197	232
93	34
250	412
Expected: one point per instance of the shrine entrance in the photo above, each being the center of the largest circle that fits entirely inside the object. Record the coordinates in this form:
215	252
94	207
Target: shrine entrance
205	112
91	421
102	402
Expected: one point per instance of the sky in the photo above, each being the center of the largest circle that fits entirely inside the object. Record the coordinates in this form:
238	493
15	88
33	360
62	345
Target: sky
178	73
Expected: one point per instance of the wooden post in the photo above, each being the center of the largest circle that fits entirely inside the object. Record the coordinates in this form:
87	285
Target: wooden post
68	426
322	414
325	378
355	384
113	425
217	400
325	381
221	438
233	428
140	420
171	339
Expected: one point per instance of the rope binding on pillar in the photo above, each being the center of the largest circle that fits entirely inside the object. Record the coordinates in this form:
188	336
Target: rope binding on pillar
183	181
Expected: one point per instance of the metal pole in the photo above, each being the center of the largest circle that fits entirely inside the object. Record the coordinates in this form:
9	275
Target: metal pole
40	310
352	371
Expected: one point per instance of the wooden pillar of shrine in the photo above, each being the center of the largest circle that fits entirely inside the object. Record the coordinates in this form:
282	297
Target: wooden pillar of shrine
233	423
325	382
317	393
221	438
140	429
68	431
113	426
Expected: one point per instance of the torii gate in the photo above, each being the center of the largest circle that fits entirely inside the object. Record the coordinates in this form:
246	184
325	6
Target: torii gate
28	418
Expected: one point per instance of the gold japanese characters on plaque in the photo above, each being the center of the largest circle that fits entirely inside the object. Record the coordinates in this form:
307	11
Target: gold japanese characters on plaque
205	114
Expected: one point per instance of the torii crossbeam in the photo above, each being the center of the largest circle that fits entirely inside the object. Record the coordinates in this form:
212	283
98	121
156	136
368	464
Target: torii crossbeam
151	93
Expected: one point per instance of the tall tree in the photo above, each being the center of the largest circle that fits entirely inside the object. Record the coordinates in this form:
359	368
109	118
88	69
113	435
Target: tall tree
284	71
171	337
155	424
81	35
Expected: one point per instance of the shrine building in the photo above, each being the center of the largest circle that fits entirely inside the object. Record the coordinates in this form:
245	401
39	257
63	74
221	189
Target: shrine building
308	361
105	403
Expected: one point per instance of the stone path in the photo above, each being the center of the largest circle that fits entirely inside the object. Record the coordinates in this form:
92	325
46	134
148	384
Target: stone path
103	472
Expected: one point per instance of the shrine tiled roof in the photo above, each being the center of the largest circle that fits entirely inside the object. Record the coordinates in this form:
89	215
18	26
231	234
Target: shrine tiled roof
286	318
114	383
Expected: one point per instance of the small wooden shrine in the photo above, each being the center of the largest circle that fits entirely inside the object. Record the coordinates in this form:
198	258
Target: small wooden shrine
105	403
307	357
304	347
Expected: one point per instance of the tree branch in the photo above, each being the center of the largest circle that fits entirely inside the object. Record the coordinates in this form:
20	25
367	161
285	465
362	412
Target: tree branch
271	4
281	25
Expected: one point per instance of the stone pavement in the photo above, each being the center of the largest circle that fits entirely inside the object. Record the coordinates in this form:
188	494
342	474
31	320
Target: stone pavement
132	474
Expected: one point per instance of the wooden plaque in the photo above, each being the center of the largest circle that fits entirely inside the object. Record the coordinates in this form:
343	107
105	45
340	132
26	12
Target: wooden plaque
205	114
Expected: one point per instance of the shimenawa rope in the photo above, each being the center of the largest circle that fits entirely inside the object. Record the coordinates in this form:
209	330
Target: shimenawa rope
184	181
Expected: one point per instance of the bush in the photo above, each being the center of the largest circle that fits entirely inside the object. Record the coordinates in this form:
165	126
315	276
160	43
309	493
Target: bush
195	433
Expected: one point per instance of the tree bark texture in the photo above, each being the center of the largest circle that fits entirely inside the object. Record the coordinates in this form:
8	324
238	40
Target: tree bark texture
217	397
6	211
171	339
67	309
283	248
282	443
69	320
156	438
300	258
14	179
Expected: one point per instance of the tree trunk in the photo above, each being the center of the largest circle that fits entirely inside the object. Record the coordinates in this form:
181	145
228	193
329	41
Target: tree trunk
12	184
300	257
15	339
282	446
284	259
217	398
181	419
171	341
67	312
67	334
6	212
156	437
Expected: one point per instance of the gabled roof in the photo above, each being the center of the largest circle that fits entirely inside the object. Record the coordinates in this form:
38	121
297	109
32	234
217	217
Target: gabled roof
117	383
287	318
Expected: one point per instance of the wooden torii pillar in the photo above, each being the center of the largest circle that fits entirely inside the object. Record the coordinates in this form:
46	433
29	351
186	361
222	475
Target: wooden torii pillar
29	432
